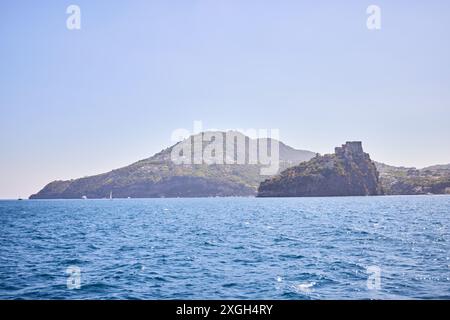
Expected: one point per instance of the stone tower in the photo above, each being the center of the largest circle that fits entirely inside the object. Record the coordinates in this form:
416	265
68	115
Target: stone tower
354	147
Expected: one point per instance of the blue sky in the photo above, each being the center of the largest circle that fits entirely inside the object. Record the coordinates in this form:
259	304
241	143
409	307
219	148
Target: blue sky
81	102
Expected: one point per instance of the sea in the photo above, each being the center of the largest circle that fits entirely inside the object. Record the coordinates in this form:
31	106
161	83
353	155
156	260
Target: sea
389	247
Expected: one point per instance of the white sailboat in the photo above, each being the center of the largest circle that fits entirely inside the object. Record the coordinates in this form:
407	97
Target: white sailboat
110	196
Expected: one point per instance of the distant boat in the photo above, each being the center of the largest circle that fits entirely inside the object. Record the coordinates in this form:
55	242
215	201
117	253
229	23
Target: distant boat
84	197
110	196
20	199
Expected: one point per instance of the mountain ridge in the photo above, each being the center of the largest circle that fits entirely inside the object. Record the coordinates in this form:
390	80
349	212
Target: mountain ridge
158	176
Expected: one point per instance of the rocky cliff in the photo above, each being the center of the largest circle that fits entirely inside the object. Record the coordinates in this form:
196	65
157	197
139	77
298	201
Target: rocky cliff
347	172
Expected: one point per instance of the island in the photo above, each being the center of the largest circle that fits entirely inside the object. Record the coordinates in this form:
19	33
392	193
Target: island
347	172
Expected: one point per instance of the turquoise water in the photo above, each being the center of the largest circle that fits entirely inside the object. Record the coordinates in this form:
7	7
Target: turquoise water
226	248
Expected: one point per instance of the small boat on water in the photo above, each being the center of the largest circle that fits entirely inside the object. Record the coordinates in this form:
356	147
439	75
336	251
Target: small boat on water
110	196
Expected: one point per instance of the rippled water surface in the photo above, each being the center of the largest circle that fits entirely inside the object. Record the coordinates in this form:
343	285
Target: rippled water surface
226	248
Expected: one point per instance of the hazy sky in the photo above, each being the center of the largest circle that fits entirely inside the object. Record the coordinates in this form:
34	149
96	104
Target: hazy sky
81	102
